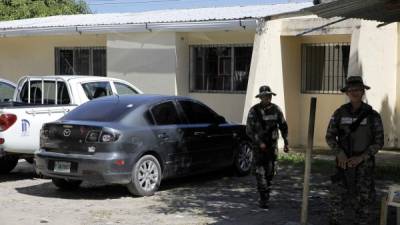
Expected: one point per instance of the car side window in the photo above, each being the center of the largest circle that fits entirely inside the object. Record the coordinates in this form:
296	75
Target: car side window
6	91
123	89
197	113
165	114
97	89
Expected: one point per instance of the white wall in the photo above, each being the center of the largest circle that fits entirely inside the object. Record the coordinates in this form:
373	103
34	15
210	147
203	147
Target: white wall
375	53
20	56
148	60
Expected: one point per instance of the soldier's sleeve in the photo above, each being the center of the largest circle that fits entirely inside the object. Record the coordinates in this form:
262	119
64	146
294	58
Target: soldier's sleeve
283	127
377	134
251	127
332	134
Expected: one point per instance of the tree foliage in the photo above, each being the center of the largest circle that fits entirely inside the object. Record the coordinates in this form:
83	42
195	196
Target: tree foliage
21	9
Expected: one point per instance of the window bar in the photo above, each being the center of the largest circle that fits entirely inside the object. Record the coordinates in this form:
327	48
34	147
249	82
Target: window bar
203	70
337	65
321	67
302	68
232	67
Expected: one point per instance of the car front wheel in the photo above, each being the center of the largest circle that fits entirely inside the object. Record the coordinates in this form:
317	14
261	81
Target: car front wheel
64	184
8	163
146	176
244	158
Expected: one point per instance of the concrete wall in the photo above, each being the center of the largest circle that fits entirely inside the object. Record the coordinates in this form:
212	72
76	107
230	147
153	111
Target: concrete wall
21	56
277	62
375	56
147	60
229	105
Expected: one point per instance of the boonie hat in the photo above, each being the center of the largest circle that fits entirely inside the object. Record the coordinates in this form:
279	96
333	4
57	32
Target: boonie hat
354	81
265	90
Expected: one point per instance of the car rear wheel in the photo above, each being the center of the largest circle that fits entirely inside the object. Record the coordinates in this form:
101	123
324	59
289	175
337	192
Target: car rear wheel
65	184
244	158
7	163
146	176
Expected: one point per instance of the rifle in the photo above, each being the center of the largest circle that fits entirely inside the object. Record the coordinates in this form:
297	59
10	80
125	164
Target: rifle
348	175
267	131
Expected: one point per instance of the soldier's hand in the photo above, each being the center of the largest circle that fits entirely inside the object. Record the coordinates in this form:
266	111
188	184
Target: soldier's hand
354	161
342	160
263	147
286	148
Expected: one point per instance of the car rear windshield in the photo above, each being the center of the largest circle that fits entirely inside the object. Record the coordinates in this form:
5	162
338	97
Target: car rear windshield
104	111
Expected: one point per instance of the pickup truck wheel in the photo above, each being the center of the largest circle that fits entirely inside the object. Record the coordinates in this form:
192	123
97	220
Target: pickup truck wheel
244	158
7	163
146	176
65	184
29	160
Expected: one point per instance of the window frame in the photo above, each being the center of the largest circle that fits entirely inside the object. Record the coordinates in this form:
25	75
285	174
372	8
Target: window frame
154	121
192	60
333	77
186	118
91	49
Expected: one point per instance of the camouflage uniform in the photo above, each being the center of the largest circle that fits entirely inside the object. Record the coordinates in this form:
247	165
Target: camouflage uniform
266	132
365	141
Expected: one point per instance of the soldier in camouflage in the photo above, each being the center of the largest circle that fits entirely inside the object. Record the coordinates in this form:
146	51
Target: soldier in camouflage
355	134
264	120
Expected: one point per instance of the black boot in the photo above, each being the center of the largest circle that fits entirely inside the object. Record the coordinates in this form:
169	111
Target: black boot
263	202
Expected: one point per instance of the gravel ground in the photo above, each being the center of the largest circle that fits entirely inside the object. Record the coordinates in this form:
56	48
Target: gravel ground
215	198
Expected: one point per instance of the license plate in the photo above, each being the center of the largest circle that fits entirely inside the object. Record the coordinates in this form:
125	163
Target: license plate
62	167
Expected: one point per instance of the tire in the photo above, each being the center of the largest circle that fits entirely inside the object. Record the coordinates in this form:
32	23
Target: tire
146	176
64	184
243	159
8	163
30	160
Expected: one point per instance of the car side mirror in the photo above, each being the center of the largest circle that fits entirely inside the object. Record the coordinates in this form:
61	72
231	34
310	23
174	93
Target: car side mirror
221	120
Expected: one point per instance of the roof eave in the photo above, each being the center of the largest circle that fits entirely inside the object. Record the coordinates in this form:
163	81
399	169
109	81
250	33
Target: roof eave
236	24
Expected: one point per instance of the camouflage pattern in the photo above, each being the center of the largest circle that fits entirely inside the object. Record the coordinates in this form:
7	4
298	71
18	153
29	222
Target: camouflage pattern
365	141
265	131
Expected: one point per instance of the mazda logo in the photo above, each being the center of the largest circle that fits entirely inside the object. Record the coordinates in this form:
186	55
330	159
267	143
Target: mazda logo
67	132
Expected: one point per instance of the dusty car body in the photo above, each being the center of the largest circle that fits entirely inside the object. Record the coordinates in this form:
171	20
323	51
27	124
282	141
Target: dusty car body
138	141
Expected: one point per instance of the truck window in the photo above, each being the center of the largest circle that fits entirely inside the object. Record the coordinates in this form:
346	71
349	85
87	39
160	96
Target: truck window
6	91
123	89
97	89
47	91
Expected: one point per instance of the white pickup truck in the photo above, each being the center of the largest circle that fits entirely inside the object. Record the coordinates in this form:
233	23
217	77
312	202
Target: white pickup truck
41	99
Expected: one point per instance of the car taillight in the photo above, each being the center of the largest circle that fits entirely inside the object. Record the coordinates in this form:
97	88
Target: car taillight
44	133
101	136
93	136
6	121
108	137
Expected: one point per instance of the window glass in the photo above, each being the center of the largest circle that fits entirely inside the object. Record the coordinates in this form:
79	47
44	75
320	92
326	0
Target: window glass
324	67
81	61
105	110
165	114
48	90
197	113
6	91
97	89
220	69
123	89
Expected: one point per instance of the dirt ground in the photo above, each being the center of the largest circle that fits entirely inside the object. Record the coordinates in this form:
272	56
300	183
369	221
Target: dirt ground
215	198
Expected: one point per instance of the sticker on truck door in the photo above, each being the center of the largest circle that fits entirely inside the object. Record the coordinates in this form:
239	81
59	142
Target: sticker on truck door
25	127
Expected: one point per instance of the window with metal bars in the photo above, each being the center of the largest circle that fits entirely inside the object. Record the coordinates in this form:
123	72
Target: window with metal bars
81	61
220	68
324	67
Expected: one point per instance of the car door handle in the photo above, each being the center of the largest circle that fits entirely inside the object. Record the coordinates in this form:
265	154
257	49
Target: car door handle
199	133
